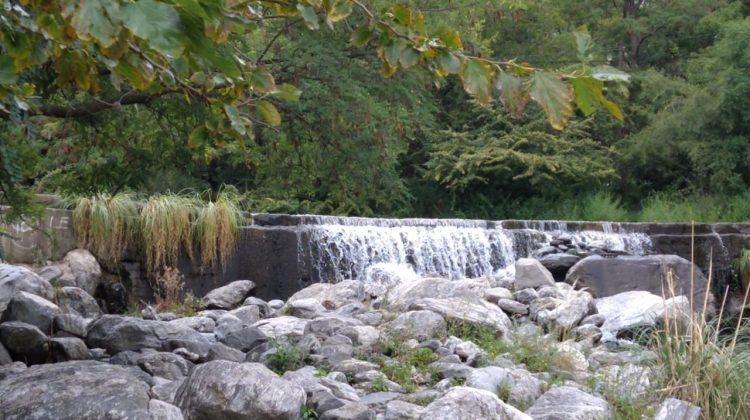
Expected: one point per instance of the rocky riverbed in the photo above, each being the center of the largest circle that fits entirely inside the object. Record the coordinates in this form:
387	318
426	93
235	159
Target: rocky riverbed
522	346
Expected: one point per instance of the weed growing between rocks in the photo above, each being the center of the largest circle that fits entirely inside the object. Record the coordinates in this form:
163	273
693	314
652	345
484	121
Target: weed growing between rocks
286	357
309	413
406	366
706	365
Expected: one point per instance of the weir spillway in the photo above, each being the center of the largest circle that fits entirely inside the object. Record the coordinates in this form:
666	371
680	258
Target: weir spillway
284	253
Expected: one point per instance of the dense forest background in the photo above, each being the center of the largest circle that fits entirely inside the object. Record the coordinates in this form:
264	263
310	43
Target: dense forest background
358	143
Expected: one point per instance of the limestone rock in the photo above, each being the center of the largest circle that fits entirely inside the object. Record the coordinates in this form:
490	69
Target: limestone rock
627	310
521	386
282	326
229	296
332	295
80	269
305	308
420	325
64	349
160	410
470	403
402	296
198	323
74	390
166	365
568	403
478	312
672	409
223	389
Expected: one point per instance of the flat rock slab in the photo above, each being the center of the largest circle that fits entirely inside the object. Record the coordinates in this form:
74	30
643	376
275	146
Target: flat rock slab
568	403
74	390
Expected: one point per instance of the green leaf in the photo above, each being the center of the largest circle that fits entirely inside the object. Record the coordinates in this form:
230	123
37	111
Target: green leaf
392	53
309	15
609	73
402	14
449	62
193	7
269	113
477	78
287	92
200	136
512	94
361	36
7	70
262	80
157	23
583	44
409	57
554	96
451	39
339	11
98	18
587	93
235	119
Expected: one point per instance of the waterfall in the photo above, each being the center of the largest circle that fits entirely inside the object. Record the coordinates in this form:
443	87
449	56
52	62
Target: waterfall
343	248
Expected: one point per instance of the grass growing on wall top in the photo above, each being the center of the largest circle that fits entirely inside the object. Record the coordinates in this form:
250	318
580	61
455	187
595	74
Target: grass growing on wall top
107	225
216	226
166	225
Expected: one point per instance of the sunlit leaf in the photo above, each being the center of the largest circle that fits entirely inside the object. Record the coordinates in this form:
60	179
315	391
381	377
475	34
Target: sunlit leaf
262	80
451	39
589	94
339	10
554	96
269	112
287	92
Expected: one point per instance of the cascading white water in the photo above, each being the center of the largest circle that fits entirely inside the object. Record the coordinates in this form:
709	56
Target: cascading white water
344	248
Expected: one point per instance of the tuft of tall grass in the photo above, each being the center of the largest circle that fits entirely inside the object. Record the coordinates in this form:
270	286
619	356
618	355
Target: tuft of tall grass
741	266
216	227
704	364
166	225
107	225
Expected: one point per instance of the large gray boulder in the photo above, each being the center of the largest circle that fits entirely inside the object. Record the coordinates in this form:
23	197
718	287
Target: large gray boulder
160	410
610	276
74	390
117	333
479	312
629	310
74	300
24	342
531	274
31	309
672	409
14	279
226	390
568	403
80	269
469	403
400	297
229	296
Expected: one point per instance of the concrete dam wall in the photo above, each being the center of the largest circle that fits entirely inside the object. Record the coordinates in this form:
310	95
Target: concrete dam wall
284	253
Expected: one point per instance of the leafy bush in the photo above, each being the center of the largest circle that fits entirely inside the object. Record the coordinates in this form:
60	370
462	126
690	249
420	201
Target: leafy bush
286	357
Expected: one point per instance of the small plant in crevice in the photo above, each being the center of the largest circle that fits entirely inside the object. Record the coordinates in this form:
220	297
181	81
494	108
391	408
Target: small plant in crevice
285	357
378	385
308	412
741	267
406	366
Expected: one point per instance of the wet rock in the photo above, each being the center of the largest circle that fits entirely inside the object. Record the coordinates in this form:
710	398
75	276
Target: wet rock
79	389
74	300
531	274
65	349
568	403
229	296
470	403
223	389
24	342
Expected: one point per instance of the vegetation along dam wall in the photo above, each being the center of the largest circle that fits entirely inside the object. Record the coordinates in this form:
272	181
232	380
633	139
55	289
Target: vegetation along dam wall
284	253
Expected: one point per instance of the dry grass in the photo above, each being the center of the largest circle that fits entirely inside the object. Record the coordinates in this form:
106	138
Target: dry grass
107	225
705	364
216	227
166	225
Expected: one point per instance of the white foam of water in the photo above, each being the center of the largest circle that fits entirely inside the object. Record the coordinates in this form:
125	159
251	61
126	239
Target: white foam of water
346	251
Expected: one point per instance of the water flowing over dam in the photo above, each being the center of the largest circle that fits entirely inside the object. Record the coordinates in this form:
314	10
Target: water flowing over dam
284	253
343	248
